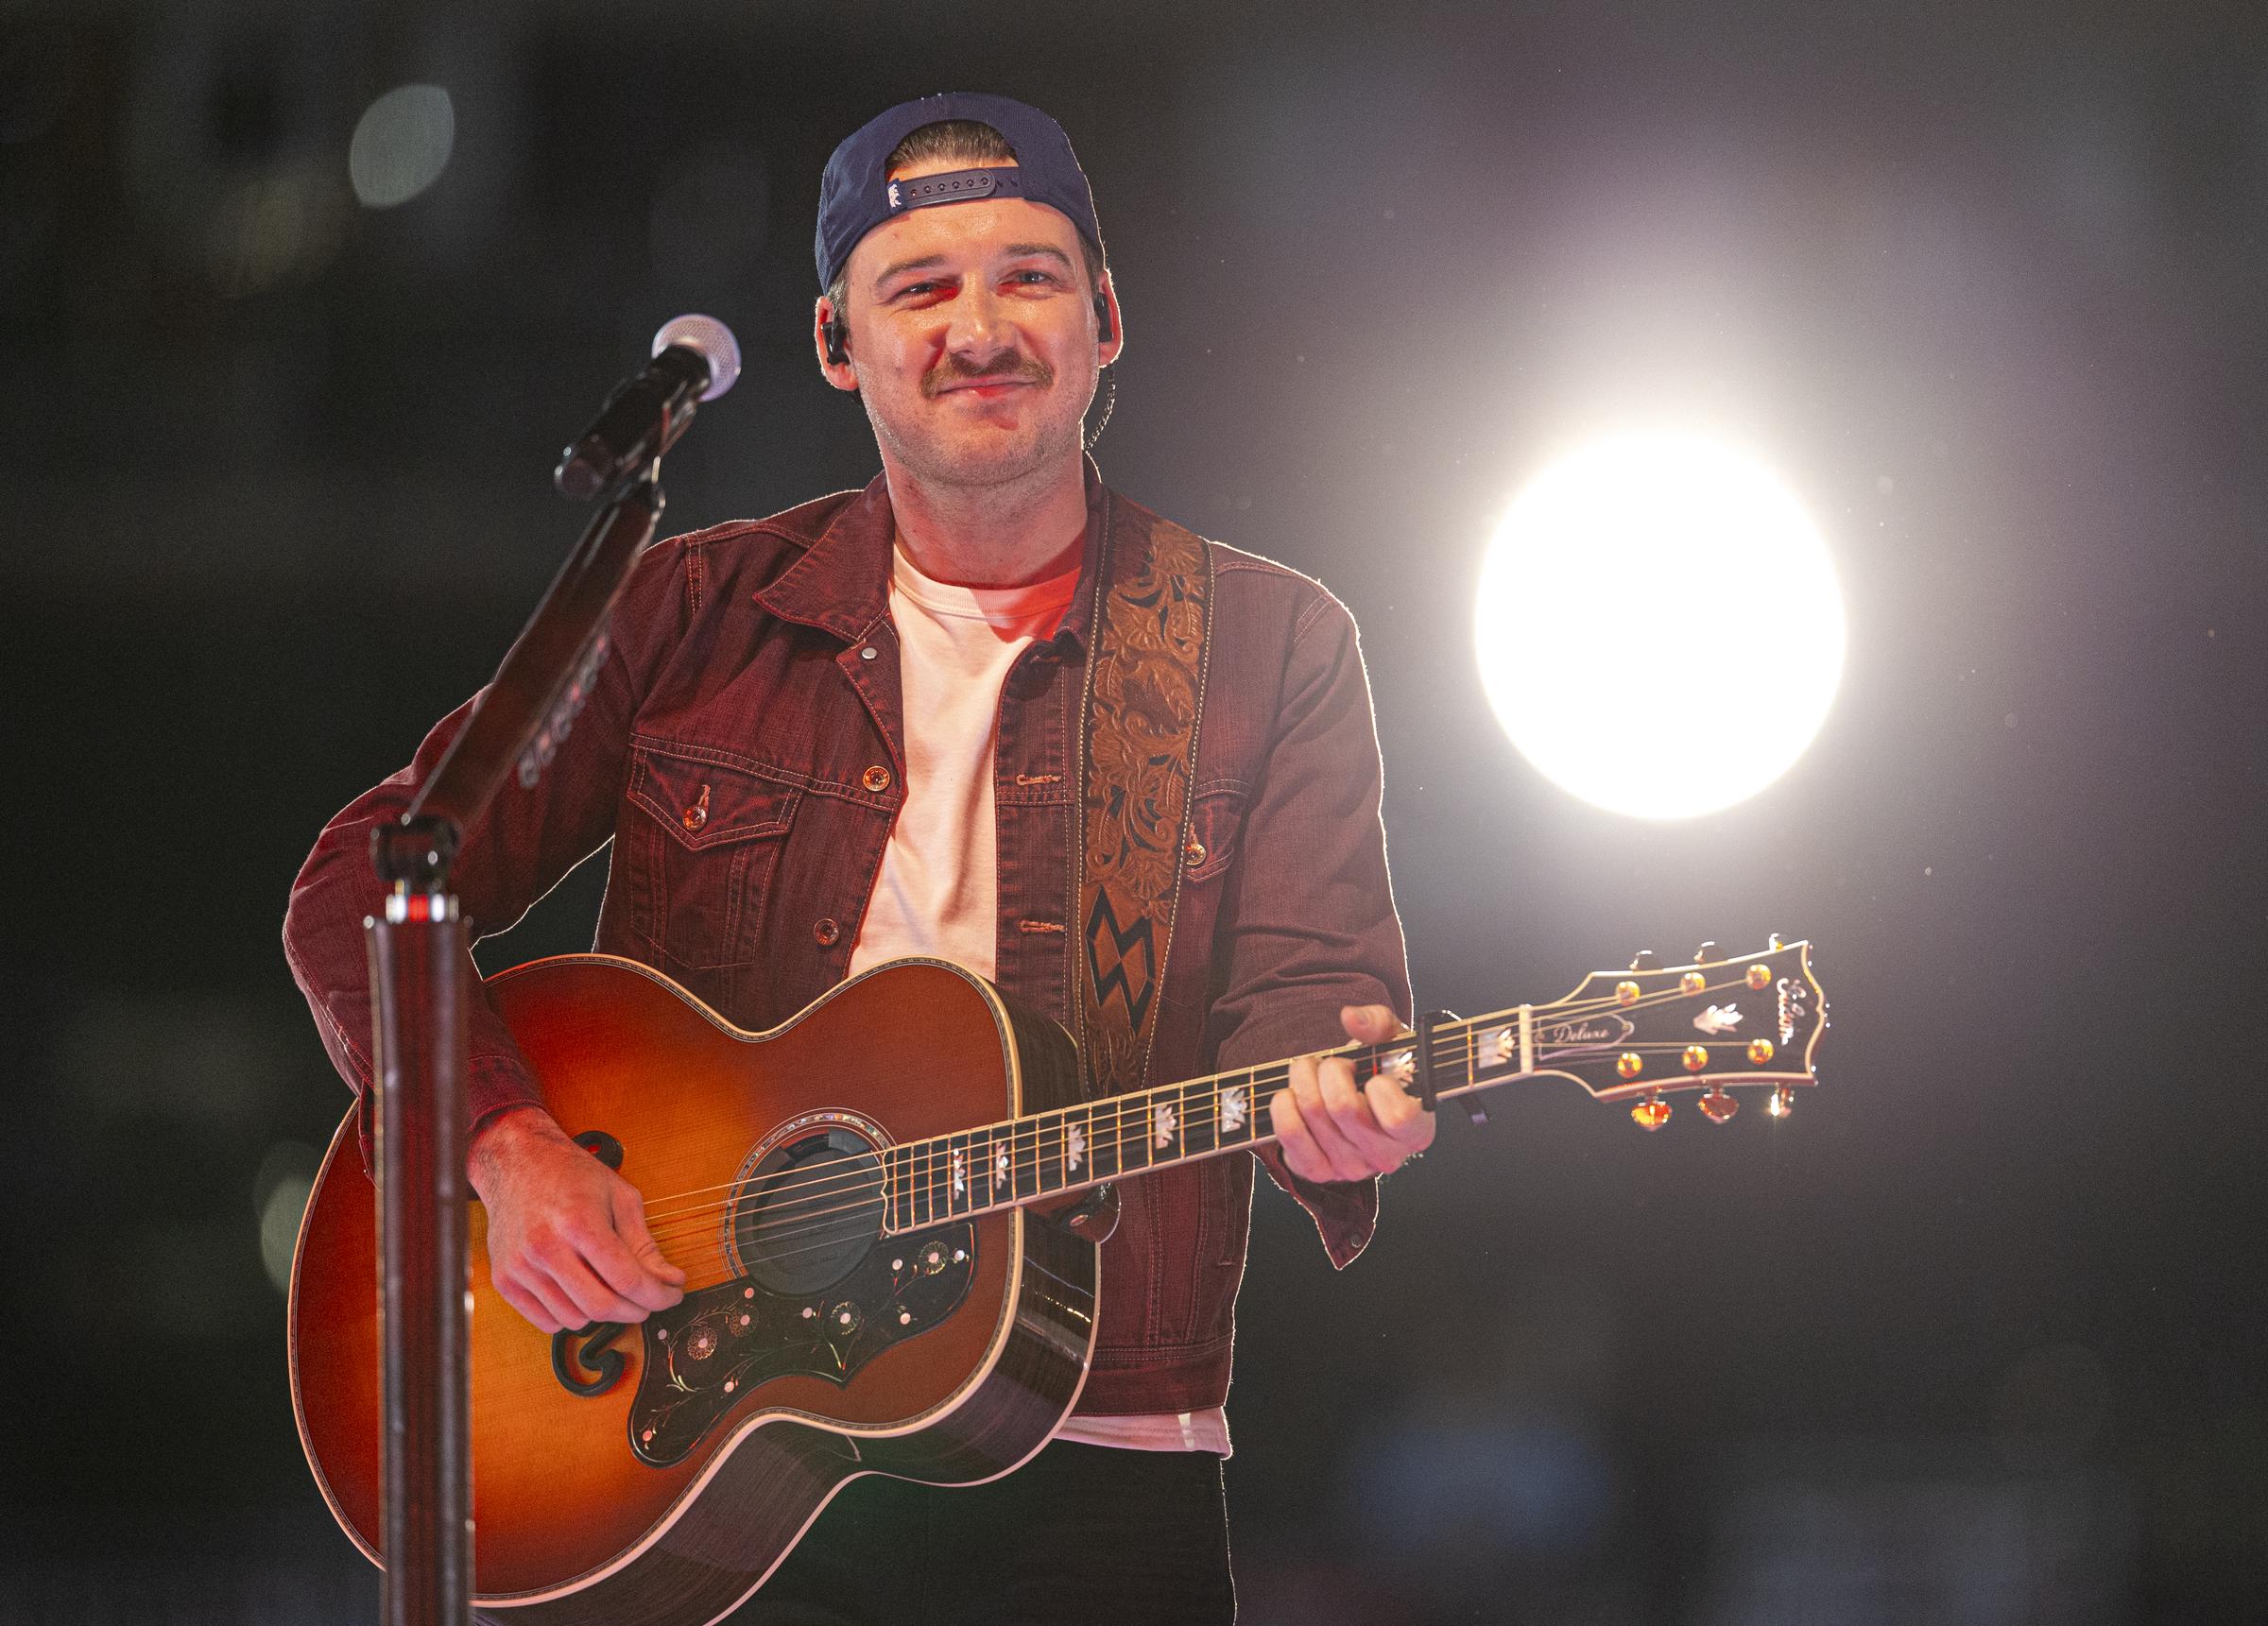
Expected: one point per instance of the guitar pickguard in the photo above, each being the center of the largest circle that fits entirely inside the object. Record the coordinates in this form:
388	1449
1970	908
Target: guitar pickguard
703	1357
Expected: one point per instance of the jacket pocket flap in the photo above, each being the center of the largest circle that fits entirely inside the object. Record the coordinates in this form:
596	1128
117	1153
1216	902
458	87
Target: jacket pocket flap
704	804
1215	821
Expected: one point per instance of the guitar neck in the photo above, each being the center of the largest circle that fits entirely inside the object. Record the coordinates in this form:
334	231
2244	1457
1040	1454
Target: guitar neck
1047	1154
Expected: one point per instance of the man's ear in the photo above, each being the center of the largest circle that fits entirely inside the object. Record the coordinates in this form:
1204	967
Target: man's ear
1110	322
831	337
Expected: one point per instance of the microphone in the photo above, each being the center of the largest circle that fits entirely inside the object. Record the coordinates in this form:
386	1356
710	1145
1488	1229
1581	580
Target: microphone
696	359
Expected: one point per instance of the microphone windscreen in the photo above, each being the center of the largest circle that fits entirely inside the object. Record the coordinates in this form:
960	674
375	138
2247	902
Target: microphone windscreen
713	340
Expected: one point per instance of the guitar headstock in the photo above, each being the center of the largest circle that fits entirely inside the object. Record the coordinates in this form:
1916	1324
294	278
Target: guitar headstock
1652	1031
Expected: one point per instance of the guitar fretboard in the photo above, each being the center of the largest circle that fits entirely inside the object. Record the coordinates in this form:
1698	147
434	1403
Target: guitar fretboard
1001	1165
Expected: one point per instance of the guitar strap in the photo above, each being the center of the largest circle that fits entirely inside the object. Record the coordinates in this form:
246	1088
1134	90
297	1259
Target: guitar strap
1145	692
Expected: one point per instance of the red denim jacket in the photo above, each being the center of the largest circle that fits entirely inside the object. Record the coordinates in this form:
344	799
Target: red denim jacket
754	665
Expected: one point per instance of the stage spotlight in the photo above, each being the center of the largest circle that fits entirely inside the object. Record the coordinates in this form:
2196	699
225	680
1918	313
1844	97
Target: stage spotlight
1660	628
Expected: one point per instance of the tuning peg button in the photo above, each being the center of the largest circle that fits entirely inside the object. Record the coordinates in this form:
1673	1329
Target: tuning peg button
1781	1103
1643	960
1707	953
1651	1113
1718	1106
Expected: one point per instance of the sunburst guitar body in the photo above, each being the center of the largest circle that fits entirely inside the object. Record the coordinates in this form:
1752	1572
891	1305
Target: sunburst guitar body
809	1347
889	1210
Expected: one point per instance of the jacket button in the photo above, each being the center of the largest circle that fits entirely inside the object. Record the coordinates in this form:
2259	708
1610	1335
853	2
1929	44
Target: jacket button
1192	854
695	813
876	778
826	931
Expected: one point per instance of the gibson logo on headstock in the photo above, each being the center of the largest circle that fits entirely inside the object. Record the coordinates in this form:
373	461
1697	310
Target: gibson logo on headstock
1585	1033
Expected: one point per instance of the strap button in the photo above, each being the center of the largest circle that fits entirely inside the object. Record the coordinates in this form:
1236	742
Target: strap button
876	777
826	931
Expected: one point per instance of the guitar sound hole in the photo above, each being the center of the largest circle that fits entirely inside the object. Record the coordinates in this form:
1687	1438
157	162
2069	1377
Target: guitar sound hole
808	1212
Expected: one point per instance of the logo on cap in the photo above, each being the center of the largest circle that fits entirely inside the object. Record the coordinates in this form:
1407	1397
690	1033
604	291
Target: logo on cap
894	195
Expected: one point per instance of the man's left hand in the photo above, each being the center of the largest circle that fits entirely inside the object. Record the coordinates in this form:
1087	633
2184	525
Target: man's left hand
1331	1129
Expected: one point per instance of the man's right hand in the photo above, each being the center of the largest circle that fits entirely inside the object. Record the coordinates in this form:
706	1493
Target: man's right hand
567	1240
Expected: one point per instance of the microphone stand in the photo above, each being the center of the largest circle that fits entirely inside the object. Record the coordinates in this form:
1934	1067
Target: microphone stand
419	965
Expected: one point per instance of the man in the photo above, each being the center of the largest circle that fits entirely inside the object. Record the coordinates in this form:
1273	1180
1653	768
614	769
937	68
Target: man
849	733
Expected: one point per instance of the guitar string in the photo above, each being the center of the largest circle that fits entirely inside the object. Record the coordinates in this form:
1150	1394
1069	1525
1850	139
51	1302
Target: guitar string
932	1181
860	1233
928	1163
1458	1050
1041	1141
1032	1131
1044	1139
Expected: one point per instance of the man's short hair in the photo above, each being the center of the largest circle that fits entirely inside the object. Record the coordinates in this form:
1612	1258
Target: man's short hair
967	141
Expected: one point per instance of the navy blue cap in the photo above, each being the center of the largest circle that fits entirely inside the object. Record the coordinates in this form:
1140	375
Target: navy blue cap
855	195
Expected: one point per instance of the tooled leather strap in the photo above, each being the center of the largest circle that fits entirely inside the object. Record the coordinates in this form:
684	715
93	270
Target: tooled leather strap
1145	692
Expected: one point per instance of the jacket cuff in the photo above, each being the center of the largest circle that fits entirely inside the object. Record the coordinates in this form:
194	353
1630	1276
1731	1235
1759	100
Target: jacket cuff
495	1085
1345	1211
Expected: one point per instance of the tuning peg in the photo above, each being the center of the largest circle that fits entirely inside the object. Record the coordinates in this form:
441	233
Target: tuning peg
1781	1103
1774	942
1707	953
1718	1106
1651	1113
1643	960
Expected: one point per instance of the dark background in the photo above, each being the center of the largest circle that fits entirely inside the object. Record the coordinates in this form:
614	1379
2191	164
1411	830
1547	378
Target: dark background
1974	1336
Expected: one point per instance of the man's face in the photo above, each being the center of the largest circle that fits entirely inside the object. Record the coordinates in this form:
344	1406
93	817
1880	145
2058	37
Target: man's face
972	336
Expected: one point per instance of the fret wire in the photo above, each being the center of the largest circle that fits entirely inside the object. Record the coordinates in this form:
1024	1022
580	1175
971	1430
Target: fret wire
1196	1093
1106	1150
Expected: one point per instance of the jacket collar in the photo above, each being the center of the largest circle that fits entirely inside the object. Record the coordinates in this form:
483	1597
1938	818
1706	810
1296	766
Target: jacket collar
841	584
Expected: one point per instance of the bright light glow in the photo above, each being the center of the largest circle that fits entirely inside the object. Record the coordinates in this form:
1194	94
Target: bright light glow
401	145
279	1192
1660	628
280	1227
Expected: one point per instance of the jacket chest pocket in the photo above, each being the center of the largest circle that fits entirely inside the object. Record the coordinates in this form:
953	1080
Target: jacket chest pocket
703	842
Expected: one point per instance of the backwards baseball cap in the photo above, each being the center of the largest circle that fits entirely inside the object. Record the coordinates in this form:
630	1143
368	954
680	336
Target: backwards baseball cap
855	195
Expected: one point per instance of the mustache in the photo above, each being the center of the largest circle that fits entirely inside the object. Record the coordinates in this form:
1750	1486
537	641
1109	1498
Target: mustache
956	369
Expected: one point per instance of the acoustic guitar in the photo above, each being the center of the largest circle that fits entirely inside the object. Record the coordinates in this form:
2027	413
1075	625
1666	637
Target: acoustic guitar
889	1210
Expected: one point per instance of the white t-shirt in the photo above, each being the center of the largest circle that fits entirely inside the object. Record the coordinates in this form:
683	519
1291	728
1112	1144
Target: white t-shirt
938	891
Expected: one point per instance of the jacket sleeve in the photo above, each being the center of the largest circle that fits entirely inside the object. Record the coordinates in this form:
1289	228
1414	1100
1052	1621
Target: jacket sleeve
518	849
1308	924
